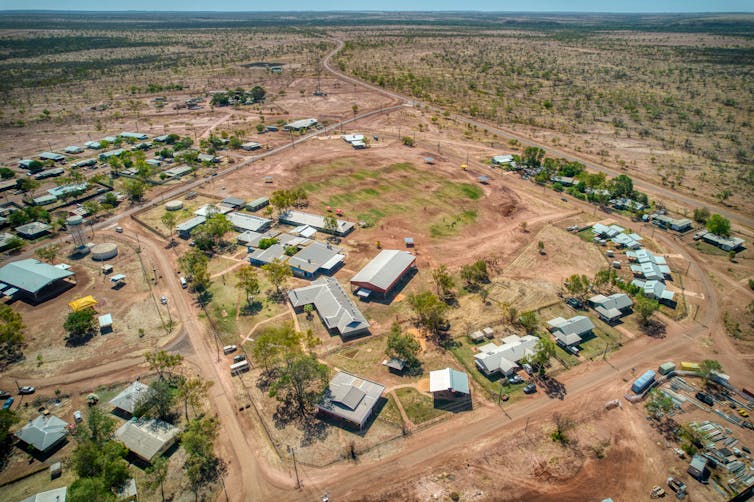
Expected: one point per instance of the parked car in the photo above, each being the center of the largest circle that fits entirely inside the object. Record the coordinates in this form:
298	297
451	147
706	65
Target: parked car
239	358
575	303
743	412
77	416
530	389
229	348
4	395
705	398
514	379
164	300
528	369
27	389
8	402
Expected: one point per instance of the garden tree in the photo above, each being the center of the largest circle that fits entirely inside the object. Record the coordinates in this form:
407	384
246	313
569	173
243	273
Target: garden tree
194	263
407	141
658	404
577	285
299	197
162	362
98	456
282	200
11	335
645	308
429	309
215	228
604	277
80	325
701	214
718	225
257	93
8	419
709	366
92	207
27	184
157	473
278	273
544	350
563	424
272	342
47	253
301	382
168	219
331	224
110	199
510	313
89	490
193	392
622	186
158	402
14	243
202	466
115	164
444	282
403	346
248	281
529	321
533	156
134	189
475	274
6	173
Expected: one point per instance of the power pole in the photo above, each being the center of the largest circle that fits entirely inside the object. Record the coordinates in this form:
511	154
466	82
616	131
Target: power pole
292	451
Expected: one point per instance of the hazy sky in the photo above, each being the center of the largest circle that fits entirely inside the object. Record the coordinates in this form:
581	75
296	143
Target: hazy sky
434	5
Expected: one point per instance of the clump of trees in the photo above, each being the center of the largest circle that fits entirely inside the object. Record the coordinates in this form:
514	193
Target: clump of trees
283	200
718	225
11	335
405	347
80	326
430	311
194	264
475	275
208	236
278	273
444	283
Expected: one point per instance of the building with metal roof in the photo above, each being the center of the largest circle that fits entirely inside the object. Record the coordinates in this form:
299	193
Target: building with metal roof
724	243
449	381
70	189
298	218
505	358
350	398
49	173
251	239
112	153
33	230
298	125
147	439
666	222
261	257
33	279
611	308
210	209
651	271
655	290
73	149
607	232
184	229
205	157
134	135
571	331
55	157
334	306
130	397
234	202
243	222
502	160
257	204
251	146
314	259
43	200
177	171
44	432
55	495
384	271
93	145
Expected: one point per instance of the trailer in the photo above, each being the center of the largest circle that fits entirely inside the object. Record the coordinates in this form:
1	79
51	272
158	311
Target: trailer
238	368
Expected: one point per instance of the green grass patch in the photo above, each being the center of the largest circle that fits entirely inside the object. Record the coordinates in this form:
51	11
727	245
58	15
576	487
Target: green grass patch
706	248
452	224
418	407
390	411
586	234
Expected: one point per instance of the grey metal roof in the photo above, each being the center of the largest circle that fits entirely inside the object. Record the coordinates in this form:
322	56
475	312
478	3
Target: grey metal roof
351	398
276	251
189	225
315	256
385	268
297	218
31	275
147	438
233	201
242	222
130	396
493	358
333	305
577	325
617	301
33	228
43	432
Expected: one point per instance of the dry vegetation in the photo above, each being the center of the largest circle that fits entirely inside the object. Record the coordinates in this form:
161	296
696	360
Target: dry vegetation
672	106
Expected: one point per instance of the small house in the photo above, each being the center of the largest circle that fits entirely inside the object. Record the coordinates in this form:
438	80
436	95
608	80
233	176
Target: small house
570	332
336	309
147	439
298	125
611	308
44	433
205	157
243	222
251	146
130	397
257	204
698	469
350	399
184	229
55	157
33	230
134	135
73	149
449	384
55	495
505	358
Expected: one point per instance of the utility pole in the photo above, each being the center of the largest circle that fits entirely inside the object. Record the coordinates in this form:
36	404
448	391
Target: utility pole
292	451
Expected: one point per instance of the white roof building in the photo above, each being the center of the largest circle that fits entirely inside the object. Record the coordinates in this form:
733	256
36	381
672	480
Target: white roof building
504	358
130	397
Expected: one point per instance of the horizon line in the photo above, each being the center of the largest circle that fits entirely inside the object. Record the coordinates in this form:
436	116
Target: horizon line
379	11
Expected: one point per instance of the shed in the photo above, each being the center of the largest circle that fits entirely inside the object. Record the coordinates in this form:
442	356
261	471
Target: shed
56	470
33	278
667	367
698	468
394	364
476	336
449	382
257	204
408	241
233	202
384	271
128	492
105	323
184	229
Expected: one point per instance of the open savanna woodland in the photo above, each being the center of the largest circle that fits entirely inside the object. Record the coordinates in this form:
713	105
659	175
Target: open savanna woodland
376	256
668	99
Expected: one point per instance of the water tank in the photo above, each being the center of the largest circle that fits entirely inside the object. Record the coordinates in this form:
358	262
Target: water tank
104	251
174	205
75	227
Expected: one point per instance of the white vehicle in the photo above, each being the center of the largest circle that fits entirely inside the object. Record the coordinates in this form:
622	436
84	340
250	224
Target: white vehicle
184	284
229	348
119	230
77	416
164	300
239	368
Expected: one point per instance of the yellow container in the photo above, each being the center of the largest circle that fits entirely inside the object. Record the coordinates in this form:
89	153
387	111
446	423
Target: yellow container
687	366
